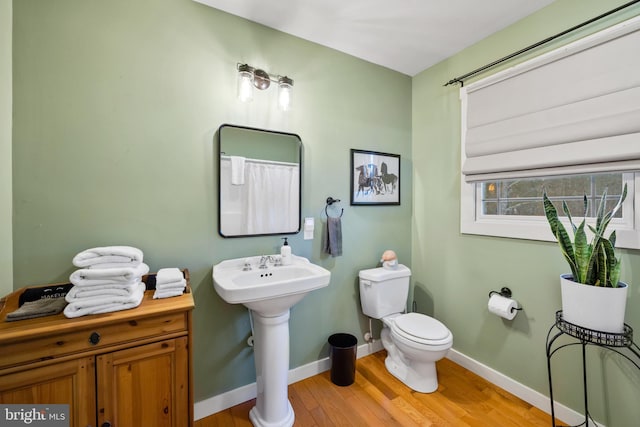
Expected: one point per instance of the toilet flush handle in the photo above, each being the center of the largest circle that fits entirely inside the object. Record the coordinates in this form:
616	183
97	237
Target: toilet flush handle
367	283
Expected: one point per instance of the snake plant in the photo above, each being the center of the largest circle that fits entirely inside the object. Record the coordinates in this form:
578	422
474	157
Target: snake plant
592	263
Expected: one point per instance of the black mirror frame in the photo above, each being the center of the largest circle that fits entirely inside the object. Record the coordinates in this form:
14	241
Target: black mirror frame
218	164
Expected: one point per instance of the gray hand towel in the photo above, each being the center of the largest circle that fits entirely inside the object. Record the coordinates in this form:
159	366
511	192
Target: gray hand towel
38	308
332	244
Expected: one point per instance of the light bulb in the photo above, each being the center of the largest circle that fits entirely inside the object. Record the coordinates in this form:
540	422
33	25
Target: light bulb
245	83
285	87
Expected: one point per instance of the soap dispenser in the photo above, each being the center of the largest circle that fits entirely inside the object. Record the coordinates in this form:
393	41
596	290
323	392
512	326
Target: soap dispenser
285	252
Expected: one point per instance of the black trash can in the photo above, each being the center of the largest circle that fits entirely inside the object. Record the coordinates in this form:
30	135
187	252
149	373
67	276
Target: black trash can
342	352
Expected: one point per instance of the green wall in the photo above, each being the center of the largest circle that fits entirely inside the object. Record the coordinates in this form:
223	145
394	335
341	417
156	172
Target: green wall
454	273
6	204
115	108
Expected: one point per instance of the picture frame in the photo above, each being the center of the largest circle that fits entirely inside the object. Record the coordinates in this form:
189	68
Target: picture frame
375	178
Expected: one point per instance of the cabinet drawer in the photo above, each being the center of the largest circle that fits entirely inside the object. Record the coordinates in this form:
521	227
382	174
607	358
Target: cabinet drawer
91	339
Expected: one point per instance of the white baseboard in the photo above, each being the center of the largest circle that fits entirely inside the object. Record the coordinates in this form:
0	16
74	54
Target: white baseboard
218	403
239	395
525	393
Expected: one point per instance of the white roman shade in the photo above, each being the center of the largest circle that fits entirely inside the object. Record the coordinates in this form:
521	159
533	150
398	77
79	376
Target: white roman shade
573	110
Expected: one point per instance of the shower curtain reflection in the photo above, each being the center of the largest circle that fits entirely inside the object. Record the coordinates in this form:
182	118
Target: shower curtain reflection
267	201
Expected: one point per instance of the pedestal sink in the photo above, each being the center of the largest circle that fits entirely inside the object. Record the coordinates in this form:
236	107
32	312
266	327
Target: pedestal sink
269	292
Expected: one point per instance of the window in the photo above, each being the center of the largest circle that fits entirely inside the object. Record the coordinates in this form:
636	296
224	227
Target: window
522	197
513	207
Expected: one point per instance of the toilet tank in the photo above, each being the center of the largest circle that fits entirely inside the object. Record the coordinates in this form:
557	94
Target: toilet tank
384	291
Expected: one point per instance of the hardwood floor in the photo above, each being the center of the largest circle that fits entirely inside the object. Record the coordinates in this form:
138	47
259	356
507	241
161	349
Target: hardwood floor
378	399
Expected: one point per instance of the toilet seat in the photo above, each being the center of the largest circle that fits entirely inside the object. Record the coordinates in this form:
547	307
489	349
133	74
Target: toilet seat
421	329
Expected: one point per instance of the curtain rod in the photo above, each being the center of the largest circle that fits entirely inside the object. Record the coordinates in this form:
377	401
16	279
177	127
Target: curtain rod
261	161
461	79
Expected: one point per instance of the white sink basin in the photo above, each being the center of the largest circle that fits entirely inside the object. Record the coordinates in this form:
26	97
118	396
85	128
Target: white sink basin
269	290
269	293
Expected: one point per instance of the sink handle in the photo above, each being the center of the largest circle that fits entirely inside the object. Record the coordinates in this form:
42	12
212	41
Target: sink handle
247	265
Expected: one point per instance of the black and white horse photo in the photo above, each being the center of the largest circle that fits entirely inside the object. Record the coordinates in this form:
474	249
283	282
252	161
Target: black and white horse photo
375	178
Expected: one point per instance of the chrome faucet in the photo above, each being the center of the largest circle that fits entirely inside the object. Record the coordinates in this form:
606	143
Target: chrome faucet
268	258
263	261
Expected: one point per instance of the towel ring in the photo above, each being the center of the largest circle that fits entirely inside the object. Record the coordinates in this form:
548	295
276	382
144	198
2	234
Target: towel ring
331	201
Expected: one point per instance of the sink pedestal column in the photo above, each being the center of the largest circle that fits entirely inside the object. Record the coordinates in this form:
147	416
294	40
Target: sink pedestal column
271	354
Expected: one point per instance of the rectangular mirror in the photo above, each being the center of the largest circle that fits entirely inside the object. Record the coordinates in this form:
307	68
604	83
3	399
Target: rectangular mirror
259	182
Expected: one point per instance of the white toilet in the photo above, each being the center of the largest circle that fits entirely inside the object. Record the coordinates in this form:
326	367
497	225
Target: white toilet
414	341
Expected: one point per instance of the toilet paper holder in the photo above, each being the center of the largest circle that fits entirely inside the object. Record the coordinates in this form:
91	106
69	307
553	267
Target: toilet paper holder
505	292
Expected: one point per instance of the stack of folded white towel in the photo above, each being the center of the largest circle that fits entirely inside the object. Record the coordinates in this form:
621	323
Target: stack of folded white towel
170	282
109	279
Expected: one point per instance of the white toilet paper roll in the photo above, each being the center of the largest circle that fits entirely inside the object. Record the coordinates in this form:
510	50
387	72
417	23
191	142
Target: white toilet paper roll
503	307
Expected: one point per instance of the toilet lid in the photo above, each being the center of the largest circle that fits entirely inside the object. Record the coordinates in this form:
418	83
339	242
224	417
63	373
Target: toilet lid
421	327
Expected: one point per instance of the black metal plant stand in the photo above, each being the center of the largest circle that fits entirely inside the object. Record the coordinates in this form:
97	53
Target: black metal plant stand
585	336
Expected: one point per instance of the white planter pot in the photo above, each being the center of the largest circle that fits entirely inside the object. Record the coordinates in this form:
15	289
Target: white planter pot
593	307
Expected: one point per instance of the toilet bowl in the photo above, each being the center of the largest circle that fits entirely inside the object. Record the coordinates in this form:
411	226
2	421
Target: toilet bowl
414	341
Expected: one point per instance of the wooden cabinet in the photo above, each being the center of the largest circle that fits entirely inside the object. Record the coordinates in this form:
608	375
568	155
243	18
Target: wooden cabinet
155	375
71	382
124	369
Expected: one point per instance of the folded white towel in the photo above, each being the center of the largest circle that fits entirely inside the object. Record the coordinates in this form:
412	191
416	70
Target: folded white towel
167	293
105	276
110	299
84	306
114	265
123	290
108	254
175	285
168	275
237	170
98	284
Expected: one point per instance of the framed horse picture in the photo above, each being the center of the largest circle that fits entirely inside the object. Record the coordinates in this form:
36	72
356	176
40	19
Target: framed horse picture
375	178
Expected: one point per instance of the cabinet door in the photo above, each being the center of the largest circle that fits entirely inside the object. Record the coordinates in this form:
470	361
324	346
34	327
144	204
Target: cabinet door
71	382
145	386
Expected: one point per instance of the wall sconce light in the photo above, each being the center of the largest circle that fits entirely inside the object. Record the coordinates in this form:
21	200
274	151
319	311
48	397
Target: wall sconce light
250	77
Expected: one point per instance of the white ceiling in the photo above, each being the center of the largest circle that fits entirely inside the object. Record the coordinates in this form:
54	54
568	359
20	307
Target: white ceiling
408	36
